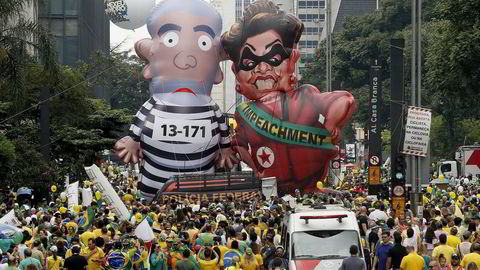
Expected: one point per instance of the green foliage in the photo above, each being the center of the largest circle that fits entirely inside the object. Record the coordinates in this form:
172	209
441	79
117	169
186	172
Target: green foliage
451	65
123	78
80	126
7	156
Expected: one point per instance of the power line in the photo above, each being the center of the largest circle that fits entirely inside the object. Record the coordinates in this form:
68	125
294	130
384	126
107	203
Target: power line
57	94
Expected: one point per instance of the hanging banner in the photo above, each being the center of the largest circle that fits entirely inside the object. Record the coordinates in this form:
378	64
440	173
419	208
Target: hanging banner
374	130
108	193
87	196
72	191
10	219
417	131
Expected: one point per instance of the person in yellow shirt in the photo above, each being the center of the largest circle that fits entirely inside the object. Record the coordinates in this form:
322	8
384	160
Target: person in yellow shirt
412	261
452	239
94	255
444	249
86	236
250	261
472	257
210	259
258	255
54	262
75	242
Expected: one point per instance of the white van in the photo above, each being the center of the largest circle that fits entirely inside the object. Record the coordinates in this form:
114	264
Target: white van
320	237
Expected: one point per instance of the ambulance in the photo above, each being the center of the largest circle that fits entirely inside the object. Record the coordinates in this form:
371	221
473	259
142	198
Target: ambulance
320	236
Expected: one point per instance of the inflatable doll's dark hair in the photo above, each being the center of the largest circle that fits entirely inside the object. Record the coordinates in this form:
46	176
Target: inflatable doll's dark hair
259	17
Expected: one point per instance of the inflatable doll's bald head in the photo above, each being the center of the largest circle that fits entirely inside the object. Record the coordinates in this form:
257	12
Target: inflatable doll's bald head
183	53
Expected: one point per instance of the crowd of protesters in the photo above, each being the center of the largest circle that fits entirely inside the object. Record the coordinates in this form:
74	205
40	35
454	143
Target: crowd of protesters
232	234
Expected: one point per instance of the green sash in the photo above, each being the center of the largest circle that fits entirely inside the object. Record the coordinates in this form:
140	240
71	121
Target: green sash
283	131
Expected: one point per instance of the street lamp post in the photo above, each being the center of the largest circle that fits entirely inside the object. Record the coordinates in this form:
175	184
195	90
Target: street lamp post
328	53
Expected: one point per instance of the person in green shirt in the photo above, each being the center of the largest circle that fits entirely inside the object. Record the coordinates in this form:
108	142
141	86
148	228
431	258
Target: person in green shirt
158	260
185	263
29	260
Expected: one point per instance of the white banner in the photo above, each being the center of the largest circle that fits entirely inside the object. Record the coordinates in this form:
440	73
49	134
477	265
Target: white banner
10	219
417	131
72	193
144	231
87	196
108	193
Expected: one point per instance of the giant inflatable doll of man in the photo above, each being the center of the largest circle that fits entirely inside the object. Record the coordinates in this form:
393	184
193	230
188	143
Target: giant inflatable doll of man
282	131
179	129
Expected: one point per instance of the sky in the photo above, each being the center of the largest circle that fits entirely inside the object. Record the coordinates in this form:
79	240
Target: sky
128	37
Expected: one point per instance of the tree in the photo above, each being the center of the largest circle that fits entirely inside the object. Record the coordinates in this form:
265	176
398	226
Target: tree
453	67
21	41
123	79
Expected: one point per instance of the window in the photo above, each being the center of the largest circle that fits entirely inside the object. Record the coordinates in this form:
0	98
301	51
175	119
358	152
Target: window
71	27
59	45
42	8
311	4
335	244
311	30
308	43
56	27
309	17
56	7
70	50
71	7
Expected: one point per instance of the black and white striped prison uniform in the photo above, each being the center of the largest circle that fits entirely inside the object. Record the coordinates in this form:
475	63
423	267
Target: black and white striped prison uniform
163	159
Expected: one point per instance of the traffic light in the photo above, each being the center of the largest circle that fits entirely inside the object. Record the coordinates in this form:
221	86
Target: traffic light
399	168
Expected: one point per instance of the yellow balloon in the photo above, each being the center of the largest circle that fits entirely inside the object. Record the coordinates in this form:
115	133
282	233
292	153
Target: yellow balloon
98	195
319	184
453	195
76	208
429	189
54	188
478	196
461	198
63	210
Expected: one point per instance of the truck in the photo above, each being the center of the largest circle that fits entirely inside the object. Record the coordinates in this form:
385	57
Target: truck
243	186
466	163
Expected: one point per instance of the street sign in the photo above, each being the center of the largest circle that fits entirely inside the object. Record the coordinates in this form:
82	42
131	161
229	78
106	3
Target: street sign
374	160
417	131
374	175
398	191
398	203
336	164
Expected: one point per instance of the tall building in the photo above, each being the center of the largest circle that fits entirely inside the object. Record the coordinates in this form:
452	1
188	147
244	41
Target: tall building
312	13
78	27
224	93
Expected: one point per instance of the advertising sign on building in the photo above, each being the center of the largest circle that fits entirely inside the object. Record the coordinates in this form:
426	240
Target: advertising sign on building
350	152
417	131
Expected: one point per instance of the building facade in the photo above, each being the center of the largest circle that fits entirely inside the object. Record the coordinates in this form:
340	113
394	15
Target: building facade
78	27
313	15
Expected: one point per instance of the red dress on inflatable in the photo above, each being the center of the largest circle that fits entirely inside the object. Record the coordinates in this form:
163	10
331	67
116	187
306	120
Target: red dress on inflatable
286	136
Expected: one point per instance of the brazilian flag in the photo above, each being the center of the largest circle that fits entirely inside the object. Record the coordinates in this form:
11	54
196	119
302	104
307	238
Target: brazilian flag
89	215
